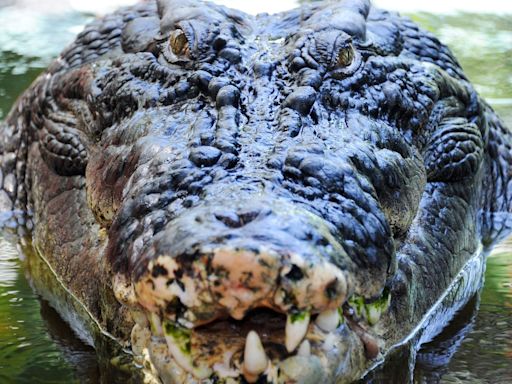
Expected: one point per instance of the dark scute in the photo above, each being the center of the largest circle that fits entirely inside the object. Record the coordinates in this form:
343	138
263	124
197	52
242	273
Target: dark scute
228	96
62	149
290	121
205	156
216	84
220	42
232	55
301	100
297	64
310	78
385	36
455	151
201	79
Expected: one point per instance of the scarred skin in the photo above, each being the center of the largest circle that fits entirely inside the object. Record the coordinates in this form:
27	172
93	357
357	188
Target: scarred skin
192	173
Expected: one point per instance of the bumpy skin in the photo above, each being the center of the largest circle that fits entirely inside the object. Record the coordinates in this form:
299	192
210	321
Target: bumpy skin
201	164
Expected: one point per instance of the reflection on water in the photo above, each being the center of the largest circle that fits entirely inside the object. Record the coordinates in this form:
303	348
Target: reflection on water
29	353
36	347
485	355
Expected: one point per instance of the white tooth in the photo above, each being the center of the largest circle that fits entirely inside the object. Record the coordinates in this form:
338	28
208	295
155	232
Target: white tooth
224	369
181	358
202	372
296	329
373	313
255	358
178	341
156	324
304	349
328	320
329	342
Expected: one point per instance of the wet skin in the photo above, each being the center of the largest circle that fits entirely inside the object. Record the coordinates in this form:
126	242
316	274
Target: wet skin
275	198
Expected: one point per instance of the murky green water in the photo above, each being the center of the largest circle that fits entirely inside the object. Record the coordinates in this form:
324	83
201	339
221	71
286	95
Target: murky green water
37	347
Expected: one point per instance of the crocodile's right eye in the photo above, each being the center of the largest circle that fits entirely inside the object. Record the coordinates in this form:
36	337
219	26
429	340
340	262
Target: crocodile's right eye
345	56
178	43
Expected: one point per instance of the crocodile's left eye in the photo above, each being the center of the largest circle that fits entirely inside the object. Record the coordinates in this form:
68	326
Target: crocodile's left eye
345	56
179	44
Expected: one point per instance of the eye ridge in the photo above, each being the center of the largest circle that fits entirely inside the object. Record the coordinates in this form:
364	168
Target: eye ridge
179	44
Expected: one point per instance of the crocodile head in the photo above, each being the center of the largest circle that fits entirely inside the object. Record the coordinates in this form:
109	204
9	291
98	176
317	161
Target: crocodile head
285	196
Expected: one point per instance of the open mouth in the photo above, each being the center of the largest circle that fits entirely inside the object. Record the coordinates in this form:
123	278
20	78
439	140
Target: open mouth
248	321
265	345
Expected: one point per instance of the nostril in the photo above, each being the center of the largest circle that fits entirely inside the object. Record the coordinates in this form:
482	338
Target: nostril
236	219
159	270
229	219
333	289
295	273
247	217
220	42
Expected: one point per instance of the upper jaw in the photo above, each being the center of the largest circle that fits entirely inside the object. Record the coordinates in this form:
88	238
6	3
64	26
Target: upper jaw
230	282
201	269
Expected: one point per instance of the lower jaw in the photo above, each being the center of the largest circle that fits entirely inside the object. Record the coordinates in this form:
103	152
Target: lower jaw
339	356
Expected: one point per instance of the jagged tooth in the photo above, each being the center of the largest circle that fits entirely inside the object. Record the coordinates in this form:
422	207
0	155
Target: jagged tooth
328	320
179	343
296	329
304	349
255	358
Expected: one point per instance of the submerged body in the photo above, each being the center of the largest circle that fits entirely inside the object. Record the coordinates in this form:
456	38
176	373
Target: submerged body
277	198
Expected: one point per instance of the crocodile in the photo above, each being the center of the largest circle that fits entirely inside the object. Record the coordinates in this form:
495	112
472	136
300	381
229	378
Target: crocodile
272	198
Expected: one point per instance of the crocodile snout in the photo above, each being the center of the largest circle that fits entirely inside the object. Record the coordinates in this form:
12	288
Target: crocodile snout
227	266
215	262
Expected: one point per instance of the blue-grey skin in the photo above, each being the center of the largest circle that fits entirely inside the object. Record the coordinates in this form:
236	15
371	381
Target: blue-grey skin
183	164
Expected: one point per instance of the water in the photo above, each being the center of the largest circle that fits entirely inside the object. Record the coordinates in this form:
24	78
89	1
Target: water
37	347
32	336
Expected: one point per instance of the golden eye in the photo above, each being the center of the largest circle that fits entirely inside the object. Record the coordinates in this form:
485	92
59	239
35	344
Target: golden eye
179	43
345	56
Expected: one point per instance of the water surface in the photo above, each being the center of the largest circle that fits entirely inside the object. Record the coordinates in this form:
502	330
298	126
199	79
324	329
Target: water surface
37	347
